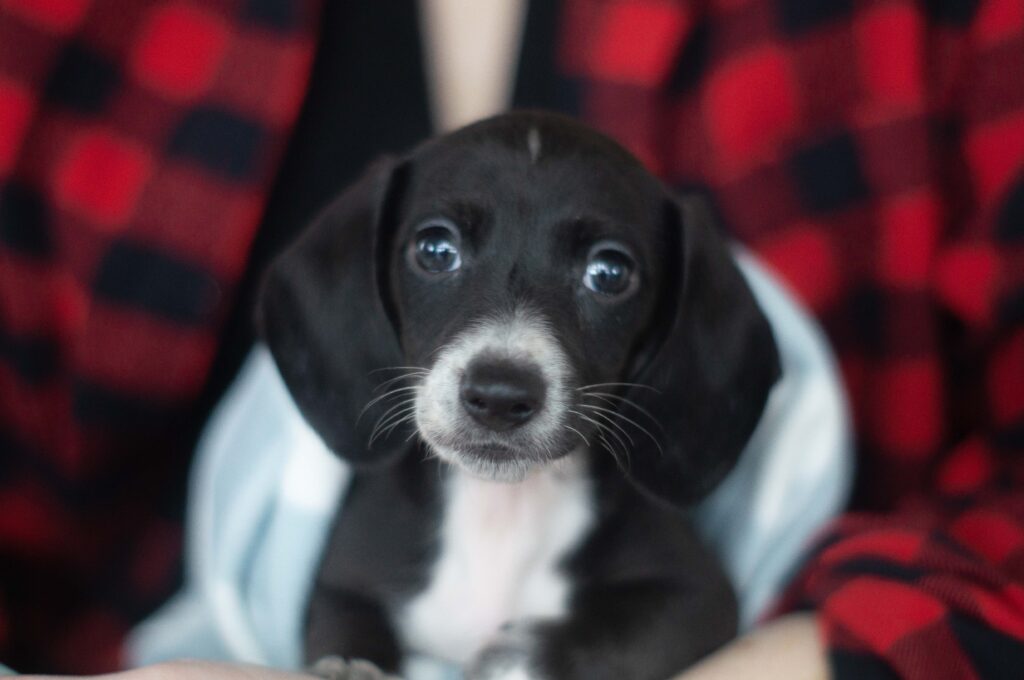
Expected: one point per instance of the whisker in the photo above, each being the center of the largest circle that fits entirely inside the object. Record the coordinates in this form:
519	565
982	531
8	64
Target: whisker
389	393
597	413
401	407
584	388
608	396
407	418
398	368
602	429
631	422
384	417
386	429
580	434
599	426
405	376
615	456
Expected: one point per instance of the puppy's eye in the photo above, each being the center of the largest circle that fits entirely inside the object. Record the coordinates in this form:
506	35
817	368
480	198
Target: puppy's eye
610	271
436	248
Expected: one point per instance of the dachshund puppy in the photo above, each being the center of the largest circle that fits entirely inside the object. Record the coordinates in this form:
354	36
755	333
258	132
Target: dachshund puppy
535	359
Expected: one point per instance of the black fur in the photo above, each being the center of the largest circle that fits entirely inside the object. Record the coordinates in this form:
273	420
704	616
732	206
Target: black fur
648	598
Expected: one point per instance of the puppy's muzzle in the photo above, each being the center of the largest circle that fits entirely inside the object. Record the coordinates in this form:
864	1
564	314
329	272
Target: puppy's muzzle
501	395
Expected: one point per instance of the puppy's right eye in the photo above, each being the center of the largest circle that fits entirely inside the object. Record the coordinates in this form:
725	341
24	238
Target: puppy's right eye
436	248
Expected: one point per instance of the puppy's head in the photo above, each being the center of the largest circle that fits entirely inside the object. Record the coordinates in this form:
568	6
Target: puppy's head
511	292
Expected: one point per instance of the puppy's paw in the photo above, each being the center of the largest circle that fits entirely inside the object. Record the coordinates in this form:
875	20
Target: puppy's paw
509	656
336	668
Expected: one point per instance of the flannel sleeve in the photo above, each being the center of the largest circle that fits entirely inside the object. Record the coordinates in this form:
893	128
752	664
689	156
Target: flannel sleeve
935	589
923	594
873	154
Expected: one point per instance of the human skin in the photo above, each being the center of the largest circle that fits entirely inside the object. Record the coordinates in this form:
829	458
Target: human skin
788	648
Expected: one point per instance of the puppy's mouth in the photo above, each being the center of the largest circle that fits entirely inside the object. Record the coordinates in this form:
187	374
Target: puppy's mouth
496	401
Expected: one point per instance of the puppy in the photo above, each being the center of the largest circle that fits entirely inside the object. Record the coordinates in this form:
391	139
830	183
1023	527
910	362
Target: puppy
535	359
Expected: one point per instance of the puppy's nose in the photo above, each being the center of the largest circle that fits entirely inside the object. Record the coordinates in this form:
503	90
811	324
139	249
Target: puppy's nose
501	395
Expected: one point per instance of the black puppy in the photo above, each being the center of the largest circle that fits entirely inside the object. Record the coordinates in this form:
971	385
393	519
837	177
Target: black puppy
535	358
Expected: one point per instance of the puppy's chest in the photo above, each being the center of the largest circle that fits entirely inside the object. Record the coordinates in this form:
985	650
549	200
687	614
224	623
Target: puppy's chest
502	546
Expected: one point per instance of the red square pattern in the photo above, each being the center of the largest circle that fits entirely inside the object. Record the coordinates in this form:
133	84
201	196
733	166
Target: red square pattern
804	256
101	178
882	613
636	42
994	152
967	469
988	534
179	50
32	520
263	77
907	408
1006	380
965	278
890	48
1001	608
751	104
910	229
895	545
56	16
998	19
163	220
186	353
69	303
16	107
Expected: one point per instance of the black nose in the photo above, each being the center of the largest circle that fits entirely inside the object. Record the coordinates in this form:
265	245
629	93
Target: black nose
501	395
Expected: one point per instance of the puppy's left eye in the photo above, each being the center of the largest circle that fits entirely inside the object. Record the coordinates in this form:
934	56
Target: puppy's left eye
610	271
436	248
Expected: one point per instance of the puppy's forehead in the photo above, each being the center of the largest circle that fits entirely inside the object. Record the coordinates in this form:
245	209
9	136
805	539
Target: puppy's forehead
536	162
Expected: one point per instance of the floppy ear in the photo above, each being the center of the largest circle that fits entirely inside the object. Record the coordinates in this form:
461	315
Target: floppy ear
713	369
322	313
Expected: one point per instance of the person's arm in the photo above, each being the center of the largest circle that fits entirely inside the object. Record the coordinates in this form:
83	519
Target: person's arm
789	648
193	670
331	668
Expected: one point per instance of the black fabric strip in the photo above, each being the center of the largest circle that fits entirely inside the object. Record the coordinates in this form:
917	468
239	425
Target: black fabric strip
540	83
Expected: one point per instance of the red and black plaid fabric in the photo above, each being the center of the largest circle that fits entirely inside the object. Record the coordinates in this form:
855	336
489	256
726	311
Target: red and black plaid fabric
137	145
873	153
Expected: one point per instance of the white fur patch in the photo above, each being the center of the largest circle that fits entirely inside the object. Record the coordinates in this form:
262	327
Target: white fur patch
523	337
501	546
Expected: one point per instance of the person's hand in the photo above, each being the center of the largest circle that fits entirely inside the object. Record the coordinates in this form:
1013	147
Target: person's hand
195	670
787	649
331	668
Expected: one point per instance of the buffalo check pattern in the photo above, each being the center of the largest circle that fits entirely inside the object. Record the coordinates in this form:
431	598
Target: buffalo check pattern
138	141
873	152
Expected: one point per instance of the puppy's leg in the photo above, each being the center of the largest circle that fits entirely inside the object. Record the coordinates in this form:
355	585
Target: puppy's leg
351	626
643	630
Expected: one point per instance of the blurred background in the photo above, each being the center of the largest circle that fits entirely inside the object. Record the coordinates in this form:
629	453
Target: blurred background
154	155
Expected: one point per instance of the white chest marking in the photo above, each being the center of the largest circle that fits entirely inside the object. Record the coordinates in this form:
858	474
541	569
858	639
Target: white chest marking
501	547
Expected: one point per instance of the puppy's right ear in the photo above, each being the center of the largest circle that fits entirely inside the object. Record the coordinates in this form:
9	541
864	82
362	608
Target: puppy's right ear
322	313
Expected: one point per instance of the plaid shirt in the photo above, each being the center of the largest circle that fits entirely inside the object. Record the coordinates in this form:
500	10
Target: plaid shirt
871	151
138	141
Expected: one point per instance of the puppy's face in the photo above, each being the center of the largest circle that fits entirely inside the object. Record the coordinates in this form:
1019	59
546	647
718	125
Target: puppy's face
525	273
521	271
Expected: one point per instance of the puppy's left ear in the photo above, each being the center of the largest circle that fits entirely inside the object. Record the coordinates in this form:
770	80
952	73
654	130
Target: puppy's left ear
712	369
323	313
